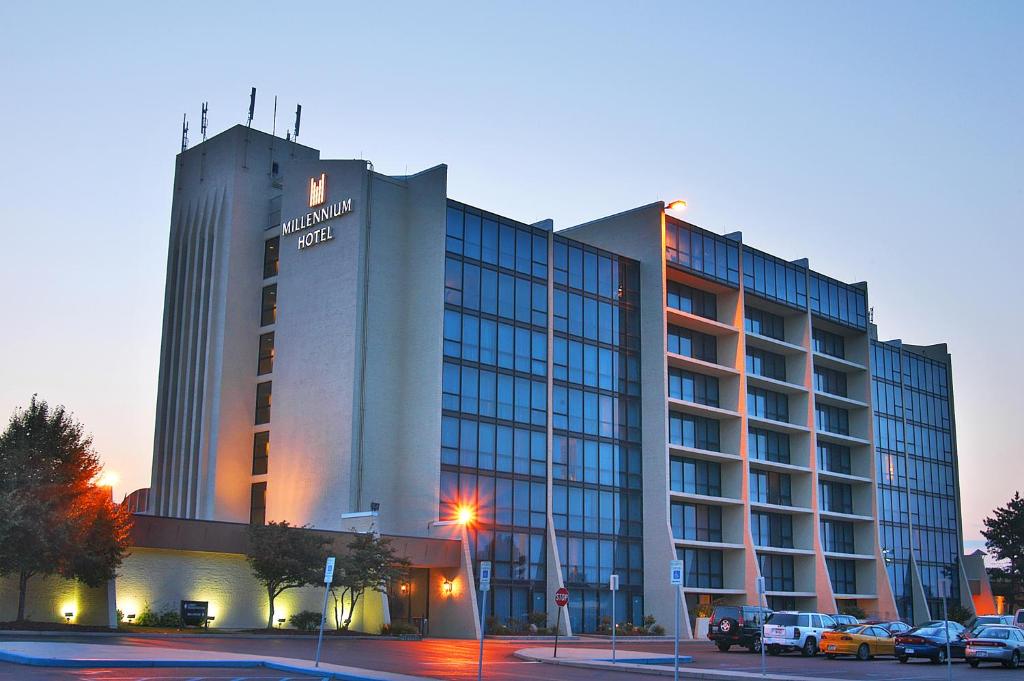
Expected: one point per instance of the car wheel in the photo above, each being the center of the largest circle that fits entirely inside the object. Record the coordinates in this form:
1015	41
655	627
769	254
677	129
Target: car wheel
830	656
903	659
755	647
863	652
940	658
973	663
1014	661
774	650
724	647
810	648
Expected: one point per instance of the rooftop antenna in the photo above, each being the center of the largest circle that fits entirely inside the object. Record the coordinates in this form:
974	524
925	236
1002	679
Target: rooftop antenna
184	132
202	125
252	107
298	119
273	127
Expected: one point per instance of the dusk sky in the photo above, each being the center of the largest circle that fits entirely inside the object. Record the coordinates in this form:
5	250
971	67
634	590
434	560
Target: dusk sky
883	141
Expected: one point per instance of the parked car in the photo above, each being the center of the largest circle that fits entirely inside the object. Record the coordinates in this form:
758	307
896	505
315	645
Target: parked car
845	619
737	625
989	621
862	640
929	641
1003	644
894	627
1018	618
796	631
954	627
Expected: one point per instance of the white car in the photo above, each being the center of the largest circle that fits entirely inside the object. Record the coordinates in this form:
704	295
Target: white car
795	631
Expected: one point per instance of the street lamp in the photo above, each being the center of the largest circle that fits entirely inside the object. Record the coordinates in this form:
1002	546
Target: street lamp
464	514
678	204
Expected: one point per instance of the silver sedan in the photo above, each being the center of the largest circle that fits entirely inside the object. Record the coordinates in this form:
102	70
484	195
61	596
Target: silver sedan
996	644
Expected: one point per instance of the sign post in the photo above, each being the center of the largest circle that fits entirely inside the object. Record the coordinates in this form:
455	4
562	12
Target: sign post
675	572
613	586
561	600
485	586
762	600
328	578
945	588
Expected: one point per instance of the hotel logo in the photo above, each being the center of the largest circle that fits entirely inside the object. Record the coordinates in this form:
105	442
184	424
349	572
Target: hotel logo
317	190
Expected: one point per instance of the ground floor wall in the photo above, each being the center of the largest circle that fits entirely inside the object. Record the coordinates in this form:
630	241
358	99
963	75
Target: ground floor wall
50	599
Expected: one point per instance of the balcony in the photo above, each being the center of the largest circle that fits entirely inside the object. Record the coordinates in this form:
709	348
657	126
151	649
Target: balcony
700	366
697	323
756	340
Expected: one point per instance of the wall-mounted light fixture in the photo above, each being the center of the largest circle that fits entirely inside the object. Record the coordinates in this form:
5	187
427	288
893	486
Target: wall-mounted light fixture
68	616
209	618
280	622
404	588
449	586
130	617
678	204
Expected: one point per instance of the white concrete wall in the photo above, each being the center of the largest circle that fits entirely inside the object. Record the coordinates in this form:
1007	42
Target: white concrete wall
48	598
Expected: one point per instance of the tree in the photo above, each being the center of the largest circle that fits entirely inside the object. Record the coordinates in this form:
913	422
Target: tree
1004	539
55	519
284	557
370	563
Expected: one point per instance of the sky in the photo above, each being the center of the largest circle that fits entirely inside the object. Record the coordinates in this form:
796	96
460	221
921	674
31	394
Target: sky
883	141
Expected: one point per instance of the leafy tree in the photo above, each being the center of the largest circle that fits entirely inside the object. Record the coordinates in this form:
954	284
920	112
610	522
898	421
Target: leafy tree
1004	539
284	557
55	519
369	564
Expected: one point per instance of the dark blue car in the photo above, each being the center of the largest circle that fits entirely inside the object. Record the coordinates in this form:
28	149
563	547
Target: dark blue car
929	642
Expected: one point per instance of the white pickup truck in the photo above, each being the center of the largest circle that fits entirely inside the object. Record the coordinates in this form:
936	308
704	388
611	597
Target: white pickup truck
795	631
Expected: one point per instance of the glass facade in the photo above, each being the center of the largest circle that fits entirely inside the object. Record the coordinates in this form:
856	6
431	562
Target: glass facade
775	279
688	299
839	302
496	411
915	454
710	255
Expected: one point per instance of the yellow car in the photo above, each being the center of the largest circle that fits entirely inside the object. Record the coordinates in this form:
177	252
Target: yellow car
863	640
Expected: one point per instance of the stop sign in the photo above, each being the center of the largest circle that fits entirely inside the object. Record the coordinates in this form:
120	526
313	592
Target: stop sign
562	597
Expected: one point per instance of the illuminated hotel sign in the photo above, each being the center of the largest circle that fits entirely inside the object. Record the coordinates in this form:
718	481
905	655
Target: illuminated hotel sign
317	197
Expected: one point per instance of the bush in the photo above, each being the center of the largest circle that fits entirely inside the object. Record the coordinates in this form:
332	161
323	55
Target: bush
169	619
307	620
399	628
958	613
538	619
657	630
702	610
853	610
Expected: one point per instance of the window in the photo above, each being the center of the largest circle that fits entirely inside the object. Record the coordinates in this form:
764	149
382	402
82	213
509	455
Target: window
774	278
691	387
767	404
764	323
270	257
767	445
688	299
702	568
832	419
836	497
772	529
697	522
687	430
260	452
837	536
830	381
767	364
843	574
707	254
694	476
838	301
268	315
692	344
777	571
263	403
266	363
828	343
770	487
258	504
834	458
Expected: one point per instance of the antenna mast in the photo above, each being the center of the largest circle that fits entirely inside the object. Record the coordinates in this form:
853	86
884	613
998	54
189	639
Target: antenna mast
252	107
202	124
273	127
184	132
298	119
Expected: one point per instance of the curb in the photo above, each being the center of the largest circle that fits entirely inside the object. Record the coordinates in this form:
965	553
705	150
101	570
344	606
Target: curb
184	634
67	663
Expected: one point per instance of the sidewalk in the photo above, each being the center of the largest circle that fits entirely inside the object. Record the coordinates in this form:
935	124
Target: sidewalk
92	655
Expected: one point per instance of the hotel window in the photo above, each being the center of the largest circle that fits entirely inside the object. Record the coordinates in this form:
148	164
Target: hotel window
263	403
769	487
271	250
707	254
266	364
767	364
837	536
696	477
838	301
268	314
260	452
258	504
702	568
830	381
767	445
777	571
828	343
772	529
692	344
832	419
764	323
767	404
843	574
836	497
834	458
691	387
773	278
693	431
688	299
697	522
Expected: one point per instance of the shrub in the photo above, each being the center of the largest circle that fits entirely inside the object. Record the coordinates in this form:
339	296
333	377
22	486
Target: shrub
538	619
120	615
399	628
657	630
958	613
170	619
702	610
146	618
853	610
307	620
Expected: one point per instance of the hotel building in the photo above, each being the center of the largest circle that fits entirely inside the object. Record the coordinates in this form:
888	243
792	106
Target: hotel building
343	347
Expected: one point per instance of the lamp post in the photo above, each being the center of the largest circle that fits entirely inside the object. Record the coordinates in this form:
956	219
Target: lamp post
678	204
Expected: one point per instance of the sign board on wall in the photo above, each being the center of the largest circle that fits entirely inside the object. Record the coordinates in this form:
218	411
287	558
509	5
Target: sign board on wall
313	225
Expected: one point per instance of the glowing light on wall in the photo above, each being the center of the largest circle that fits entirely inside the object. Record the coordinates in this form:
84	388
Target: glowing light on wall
448	587
68	610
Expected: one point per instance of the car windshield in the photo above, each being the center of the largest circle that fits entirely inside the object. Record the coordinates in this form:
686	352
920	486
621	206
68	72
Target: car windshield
1000	633
785	619
851	628
990	619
